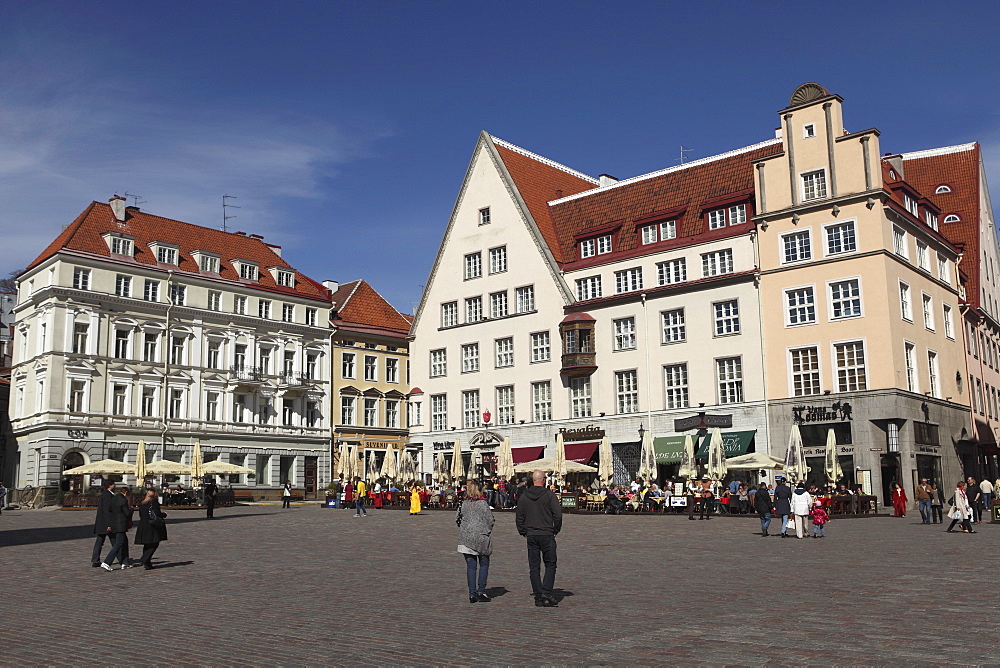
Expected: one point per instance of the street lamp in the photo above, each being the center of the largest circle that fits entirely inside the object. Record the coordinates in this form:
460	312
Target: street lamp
642	432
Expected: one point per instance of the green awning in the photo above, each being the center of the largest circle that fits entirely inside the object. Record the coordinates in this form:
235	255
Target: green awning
668	449
735	443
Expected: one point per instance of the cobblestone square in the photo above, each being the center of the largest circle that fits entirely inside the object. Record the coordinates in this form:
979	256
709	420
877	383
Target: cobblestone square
262	585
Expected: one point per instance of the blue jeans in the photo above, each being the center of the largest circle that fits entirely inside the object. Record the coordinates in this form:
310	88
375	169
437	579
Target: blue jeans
925	510
477	586
542	549
988	504
359	507
765	521
116	547
819	529
784	523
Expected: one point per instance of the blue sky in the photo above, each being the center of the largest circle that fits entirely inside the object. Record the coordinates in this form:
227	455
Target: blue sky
344	129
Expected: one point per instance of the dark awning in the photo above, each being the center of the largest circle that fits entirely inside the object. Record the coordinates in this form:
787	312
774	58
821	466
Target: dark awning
581	453
734	443
527	453
668	449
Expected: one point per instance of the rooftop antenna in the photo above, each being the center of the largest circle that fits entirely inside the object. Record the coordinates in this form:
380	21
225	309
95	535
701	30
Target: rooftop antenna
684	149
135	199
226	205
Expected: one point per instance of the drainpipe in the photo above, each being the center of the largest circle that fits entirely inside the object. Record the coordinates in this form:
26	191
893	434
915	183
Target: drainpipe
166	369
755	241
649	380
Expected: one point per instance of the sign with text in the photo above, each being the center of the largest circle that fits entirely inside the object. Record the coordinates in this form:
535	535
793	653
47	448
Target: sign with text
836	411
703	421
588	433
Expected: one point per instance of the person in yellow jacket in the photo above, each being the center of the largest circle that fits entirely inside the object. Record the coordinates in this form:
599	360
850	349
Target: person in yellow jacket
414	499
360	493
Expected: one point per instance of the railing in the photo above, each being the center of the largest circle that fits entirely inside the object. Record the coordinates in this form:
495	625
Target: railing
295	378
247	373
579	364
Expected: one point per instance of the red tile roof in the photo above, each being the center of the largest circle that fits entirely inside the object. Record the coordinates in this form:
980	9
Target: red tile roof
358	303
85	235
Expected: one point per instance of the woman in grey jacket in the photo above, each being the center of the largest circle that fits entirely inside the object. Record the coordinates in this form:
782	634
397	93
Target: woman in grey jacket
475	527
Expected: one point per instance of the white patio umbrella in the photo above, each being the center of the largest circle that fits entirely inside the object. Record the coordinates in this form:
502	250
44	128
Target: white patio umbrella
104	466
716	456
647	458
752	461
370	471
353	467
794	457
140	462
343	462
197	463
688	467
389	468
549	465
457	465
833	470
560	459
605	465
167	467
224	468
436	472
505	460
407	467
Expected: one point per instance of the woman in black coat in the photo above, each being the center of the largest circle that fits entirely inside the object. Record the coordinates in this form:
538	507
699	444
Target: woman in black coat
151	528
762	504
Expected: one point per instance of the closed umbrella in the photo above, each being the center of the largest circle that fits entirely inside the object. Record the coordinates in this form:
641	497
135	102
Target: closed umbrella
353	463
437	473
647	458
389	468
407	468
605	466
140	462
560	458
197	464
688	468
793	469
457	465
342	462
833	470
370	471
505	460
716	456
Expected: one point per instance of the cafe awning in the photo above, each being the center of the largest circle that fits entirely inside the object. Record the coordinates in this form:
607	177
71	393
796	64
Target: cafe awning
581	453
734	443
527	453
668	449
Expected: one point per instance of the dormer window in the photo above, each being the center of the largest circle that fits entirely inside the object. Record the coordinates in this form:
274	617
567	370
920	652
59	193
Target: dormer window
283	276
932	219
207	261
165	253
120	244
588	248
248	270
659	232
910	204
942	190
604	244
952	218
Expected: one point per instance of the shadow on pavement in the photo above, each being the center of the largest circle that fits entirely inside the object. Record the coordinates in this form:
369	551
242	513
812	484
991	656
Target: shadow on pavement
495	592
171	564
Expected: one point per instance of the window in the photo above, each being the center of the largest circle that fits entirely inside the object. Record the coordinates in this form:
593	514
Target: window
505	405
212	406
923	260
473	265
149	340
650	234
719	262
541	347
671	271
604	244
910	359
588	288
541	401
348	410
121	246
588	248
845	299
905	308
470	409
899	245
287	412
413	418
347	365
674	326
801	305
730	374
166	255
505	352
498	260
449	314
814	185
675	382
439	362
727	318
439	412
484	216
526	299
910	204
81	279
284	278
123	285
624	334
248	272
946	319
371	412
214	354
579	389
473	309
716	219
311	317
841	238
177	350
151	291
80	331
944	270
627	383
952	218
668	230
392	414
498	304
148	403
122	337
175	407
371	368
240	305
808	130
805	371
391	370
264	308
940	190
178	295
208	263
797	246
932	220
287	313
214	300
470	357
738	214
311	367
928	309
119	395
628	280
932	373
850	360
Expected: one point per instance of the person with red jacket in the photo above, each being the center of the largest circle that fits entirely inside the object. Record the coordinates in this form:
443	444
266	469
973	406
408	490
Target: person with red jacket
899	500
819	518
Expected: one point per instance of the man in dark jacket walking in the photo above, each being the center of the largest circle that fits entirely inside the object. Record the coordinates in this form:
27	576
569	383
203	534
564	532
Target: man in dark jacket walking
112	520
539	519
783	504
102	522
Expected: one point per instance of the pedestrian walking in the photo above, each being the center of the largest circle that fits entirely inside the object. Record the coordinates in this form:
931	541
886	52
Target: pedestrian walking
922	498
937	505
694	490
899	500
211	491
707	499
819	518
3	498
762	504
102	521
377	494
960	510
801	504
124	561
475	540
414	499
286	495
986	487
539	520
113	521
783	504
975	496
152	529
359	496
348	494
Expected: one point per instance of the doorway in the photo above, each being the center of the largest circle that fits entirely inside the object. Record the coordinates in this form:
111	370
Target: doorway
310	477
74	483
890	474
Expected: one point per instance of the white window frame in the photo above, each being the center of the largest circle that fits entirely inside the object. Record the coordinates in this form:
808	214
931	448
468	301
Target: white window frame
668	230
853	223
717	219
588	248
484	216
473	264
81	278
581	394
831	301
946	319
810	376
905	295
808	130
628	280
123	285
927	311
604	244
670	269
737	214
392	370
923	257
900	243
505	405
470	357
439	412
673	326
627	391
942	189
498	304
541	400
933	374
624	333
588	288
732	317
729	388
836	367
151	291
498	260
525	298
944	269
287	313
952	218
824	182
449	314
650	234
541	351
799	234
791	308
910	366
471	418
474	309
504	348
676	395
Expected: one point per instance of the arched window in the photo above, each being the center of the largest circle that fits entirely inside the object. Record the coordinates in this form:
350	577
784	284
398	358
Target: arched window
942	189
952	218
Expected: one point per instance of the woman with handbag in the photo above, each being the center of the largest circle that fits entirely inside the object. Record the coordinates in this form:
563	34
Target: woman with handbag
475	542
152	529
961	511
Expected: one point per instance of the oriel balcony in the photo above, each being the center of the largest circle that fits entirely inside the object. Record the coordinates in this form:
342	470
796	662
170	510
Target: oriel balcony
577	334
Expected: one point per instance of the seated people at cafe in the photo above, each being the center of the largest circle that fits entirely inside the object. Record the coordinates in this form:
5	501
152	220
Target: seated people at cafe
724	500
742	499
613	503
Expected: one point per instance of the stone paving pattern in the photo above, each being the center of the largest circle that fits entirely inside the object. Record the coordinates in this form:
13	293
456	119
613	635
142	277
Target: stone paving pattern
308	585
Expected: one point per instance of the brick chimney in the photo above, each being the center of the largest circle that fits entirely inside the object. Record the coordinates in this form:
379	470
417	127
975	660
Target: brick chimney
118	207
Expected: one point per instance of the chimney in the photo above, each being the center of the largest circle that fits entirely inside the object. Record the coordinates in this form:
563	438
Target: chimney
607	180
118	207
332	286
273	247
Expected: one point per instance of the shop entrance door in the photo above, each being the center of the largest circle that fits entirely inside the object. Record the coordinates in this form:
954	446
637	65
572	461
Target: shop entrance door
310	477
890	474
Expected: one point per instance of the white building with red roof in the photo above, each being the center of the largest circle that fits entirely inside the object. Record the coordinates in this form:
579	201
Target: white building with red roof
136	328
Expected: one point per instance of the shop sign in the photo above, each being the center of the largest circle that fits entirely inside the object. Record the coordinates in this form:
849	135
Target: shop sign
485	439
381	445
444	445
490	458
588	433
836	411
821	451
568	501
77	433
703	421
930	449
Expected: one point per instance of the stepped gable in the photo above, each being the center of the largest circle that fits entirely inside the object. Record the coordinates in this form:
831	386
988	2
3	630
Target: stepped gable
697	186
359	303
84	235
540	181
958	168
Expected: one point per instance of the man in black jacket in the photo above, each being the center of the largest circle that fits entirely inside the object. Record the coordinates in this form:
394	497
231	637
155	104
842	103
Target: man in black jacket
102	522
114	522
539	519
